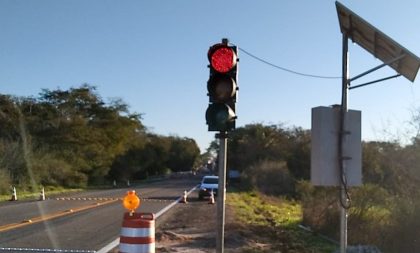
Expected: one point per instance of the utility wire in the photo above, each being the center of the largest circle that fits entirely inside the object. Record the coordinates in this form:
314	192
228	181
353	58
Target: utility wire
285	69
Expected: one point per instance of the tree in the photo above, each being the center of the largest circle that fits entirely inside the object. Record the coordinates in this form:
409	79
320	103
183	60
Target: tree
73	137
84	130
255	143
9	118
299	155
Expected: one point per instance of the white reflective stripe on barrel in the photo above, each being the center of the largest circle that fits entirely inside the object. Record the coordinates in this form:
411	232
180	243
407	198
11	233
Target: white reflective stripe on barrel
137	248
138	232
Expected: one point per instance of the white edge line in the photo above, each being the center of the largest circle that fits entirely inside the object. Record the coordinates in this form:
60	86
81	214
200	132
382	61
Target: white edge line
115	243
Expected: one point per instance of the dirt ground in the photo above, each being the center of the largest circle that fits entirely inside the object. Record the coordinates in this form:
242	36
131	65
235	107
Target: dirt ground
191	228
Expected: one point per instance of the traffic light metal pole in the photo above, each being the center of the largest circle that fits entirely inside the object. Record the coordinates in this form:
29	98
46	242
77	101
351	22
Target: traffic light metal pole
221	198
344	201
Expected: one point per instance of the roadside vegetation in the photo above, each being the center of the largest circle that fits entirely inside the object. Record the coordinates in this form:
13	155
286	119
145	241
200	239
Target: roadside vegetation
31	195
275	161
74	138
274	224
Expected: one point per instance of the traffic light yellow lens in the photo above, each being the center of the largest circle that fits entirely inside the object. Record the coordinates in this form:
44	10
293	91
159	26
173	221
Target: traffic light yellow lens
223	91
221	88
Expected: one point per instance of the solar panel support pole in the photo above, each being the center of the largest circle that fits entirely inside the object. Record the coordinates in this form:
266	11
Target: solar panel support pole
344	201
378	67
383	47
372	82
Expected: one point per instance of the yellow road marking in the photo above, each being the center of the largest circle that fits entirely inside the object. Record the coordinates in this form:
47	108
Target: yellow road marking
26	222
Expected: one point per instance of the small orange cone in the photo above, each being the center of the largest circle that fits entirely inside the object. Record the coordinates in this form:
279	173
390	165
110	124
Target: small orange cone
184	198
14	195
211	200
42	194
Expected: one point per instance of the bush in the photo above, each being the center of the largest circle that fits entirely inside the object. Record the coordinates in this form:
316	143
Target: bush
55	172
12	163
377	218
269	177
369	214
403	232
5	182
320	208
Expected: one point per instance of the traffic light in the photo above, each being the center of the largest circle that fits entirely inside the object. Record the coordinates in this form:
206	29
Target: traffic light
222	87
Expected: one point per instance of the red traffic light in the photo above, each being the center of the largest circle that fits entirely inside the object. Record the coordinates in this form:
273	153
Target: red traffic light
222	87
222	58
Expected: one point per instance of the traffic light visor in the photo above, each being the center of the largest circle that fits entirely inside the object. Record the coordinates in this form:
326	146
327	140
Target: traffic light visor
222	58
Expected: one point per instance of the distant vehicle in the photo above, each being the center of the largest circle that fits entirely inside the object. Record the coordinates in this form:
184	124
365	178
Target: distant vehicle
234	176
208	183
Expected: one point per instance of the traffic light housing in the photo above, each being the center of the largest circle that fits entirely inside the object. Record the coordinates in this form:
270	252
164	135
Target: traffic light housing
222	87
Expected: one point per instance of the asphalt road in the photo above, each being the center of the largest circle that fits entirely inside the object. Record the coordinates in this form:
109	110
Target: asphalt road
85	221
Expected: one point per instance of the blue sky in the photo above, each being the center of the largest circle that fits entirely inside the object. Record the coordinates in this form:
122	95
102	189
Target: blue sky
152	54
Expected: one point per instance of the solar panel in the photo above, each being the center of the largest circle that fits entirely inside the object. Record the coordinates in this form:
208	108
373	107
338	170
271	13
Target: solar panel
377	43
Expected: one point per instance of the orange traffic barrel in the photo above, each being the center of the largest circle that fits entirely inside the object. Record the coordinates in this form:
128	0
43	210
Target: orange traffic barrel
138	233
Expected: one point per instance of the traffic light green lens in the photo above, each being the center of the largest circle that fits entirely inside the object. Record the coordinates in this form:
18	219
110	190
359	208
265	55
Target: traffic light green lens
222	117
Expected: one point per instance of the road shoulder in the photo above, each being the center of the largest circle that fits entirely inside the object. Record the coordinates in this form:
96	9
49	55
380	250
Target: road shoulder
191	228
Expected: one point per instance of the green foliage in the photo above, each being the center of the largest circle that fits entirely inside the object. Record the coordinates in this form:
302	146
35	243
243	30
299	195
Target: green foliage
4	182
403	231
369	213
73	138
320	208
254	143
182	154
12	161
273	158
298	159
376	217
274	222
270	158
157	156
34	195
52	171
9	118
83	130
276	160
269	177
